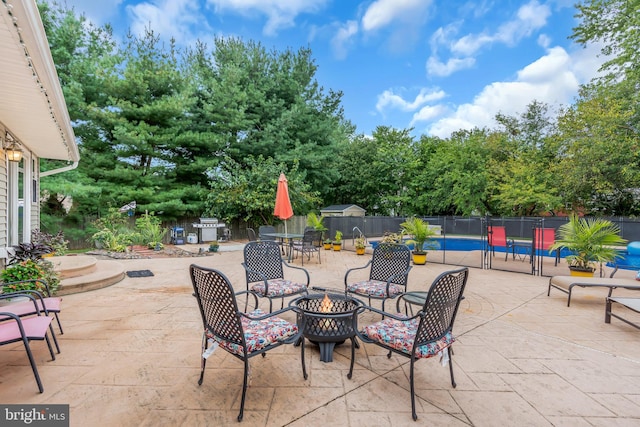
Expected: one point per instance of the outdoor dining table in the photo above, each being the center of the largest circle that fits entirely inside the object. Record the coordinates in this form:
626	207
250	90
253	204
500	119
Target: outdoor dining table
285	237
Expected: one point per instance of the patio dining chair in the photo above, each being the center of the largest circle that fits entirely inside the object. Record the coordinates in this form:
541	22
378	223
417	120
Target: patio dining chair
388	273
544	238
264	271
251	235
310	244
225	326
426	334
15	328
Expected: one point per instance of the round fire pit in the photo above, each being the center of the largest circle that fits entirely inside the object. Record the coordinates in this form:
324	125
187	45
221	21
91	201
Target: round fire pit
329	318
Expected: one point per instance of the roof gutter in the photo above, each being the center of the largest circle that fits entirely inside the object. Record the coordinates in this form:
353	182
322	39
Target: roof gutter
60	170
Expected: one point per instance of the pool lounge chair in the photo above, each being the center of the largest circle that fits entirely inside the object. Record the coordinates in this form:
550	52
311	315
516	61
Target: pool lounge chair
567	283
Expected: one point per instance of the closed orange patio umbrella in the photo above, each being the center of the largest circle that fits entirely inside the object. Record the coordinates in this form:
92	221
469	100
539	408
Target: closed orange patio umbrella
283	209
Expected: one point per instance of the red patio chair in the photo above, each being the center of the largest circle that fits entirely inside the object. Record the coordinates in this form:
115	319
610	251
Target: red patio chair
543	238
497	236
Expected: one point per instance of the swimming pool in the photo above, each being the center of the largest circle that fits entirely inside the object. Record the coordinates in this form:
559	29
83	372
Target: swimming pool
627	261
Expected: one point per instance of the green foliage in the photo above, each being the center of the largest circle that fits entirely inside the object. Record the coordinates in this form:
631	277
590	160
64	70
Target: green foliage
149	230
337	239
360	242
419	231
248	192
316	221
591	241
56	242
30	270
113	233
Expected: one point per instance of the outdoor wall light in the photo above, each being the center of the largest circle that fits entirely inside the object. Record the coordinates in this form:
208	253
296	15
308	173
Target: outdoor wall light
13	151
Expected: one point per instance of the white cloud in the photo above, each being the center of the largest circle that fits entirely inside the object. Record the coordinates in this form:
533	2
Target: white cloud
388	99
169	18
343	39
280	13
428	113
384	12
554	79
437	68
529	17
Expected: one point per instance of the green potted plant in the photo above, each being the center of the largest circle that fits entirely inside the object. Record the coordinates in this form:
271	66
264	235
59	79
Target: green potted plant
361	244
591	241
337	241
420	234
327	243
214	246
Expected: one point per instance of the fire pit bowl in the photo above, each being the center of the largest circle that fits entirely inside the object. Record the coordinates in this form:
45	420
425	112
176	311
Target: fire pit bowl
327	319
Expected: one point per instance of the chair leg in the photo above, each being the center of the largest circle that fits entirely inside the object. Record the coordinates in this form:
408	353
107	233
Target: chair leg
46	338
450	351
413	391
53	335
59	324
244	388
203	361
353	357
304	366
25	341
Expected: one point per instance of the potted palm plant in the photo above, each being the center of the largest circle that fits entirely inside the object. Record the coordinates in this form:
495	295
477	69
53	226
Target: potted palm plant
591	241
420	234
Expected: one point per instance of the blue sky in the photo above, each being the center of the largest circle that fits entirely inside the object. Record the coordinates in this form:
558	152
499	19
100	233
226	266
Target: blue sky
433	65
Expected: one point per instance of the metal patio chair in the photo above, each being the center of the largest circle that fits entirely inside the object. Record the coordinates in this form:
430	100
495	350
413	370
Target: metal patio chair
264	270
225	326
15	328
310	244
388	274
426	334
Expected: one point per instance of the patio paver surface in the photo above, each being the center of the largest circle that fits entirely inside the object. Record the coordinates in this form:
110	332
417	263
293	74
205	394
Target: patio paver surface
131	357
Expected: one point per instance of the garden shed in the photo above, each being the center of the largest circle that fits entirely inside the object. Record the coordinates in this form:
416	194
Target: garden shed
342	210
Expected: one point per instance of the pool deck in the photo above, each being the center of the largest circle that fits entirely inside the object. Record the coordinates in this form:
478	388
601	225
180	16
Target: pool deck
131	356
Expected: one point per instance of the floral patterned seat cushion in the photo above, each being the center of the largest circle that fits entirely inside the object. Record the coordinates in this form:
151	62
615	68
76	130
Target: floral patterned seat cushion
278	288
258	334
400	334
375	288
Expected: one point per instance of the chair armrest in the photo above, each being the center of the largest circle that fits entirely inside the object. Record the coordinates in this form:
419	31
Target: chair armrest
298	268
255	297
404	273
346	275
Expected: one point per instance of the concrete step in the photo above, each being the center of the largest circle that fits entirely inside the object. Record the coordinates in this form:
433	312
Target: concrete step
73	265
104	273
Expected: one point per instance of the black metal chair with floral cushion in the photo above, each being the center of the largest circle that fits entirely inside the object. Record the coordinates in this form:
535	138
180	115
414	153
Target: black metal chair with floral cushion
388	275
426	334
264	268
242	335
310	244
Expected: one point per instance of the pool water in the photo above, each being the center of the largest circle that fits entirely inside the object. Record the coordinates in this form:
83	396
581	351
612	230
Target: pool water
627	261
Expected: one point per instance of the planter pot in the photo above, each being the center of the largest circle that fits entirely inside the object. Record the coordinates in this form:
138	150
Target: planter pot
49	255
337	246
360	251
213	248
419	259
327	246
581	273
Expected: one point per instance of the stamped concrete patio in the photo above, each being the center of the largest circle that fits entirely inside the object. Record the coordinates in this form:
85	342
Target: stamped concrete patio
131	357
